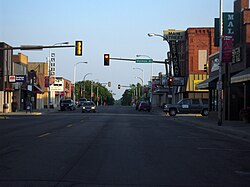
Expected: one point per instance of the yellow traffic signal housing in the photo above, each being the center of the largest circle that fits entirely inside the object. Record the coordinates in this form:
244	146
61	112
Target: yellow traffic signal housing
78	48
106	59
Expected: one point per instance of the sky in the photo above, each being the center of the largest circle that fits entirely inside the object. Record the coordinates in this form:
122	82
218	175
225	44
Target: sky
117	27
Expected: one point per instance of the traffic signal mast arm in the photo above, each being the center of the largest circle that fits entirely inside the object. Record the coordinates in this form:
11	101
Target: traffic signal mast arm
130	59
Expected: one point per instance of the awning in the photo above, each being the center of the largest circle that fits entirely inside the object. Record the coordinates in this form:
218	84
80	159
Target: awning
38	90
243	76
205	84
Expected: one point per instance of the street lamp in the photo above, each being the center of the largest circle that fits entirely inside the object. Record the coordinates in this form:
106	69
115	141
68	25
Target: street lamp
74	81
84	83
49	70
142	74
170	60
142	84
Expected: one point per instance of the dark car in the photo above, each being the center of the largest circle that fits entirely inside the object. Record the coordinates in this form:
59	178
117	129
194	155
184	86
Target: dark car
67	104
81	101
146	106
88	106
194	106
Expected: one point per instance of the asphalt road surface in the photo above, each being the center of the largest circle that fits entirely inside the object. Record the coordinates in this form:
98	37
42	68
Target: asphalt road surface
117	146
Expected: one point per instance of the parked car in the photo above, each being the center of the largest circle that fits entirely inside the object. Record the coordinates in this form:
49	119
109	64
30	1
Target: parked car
146	106
188	106
67	104
88	106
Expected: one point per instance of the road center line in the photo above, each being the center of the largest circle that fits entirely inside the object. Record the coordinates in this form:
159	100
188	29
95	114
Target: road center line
43	135
70	125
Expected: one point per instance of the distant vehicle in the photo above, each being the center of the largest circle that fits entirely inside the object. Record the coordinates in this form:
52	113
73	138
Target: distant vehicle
67	104
88	106
146	106
185	106
137	104
80	102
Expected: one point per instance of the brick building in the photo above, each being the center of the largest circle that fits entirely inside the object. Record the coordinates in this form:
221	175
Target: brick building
193	55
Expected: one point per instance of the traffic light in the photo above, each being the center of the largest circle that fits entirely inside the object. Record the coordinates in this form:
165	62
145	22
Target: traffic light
170	81
109	84
205	67
119	86
106	59
78	48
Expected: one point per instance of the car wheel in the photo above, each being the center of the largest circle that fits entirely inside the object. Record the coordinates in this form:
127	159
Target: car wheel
172	112
204	112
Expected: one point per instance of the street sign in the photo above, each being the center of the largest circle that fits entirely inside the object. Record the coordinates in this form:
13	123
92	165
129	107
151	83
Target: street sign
178	81
144	61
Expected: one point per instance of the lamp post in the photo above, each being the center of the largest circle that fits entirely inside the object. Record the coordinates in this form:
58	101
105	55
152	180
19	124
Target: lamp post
49	70
84	83
142	74
142	83
164	38
219	83
74	81
168	56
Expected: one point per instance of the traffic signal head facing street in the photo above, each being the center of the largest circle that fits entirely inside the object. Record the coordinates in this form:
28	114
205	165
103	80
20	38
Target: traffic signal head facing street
106	59
78	48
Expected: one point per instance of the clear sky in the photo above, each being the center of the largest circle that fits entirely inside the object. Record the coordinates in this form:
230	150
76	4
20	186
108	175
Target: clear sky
117	27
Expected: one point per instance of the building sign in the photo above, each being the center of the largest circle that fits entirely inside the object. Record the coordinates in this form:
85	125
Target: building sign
12	79
174	35
178	81
236	55
228	26
174	57
20	78
17	78
53	64
228	23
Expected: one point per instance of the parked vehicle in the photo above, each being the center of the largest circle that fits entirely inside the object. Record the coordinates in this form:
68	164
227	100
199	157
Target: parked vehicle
67	104
188	106
88	106
146	106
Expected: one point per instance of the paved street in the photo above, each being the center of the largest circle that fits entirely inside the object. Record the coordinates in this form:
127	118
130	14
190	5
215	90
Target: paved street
117	146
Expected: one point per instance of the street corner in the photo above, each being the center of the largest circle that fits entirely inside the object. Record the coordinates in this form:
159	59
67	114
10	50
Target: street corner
36	113
3	117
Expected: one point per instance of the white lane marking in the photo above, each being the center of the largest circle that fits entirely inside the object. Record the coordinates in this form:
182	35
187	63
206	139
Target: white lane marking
43	135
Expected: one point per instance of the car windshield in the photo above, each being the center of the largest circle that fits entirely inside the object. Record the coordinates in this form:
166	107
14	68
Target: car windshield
66	101
88	104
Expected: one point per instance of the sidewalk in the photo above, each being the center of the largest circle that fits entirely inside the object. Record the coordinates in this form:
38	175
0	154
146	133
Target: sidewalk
233	128
239	129
24	113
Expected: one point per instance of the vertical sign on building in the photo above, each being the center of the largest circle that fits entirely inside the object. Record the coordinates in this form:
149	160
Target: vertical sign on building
53	64
228	26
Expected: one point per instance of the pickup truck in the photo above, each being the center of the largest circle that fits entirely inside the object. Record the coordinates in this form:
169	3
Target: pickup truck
186	106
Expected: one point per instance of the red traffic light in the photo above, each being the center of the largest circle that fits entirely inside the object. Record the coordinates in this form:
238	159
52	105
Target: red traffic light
106	59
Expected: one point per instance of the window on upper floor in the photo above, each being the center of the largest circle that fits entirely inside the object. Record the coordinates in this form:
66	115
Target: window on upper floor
202	59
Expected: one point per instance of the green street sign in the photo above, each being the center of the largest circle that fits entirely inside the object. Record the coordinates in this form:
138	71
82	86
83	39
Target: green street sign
144	61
